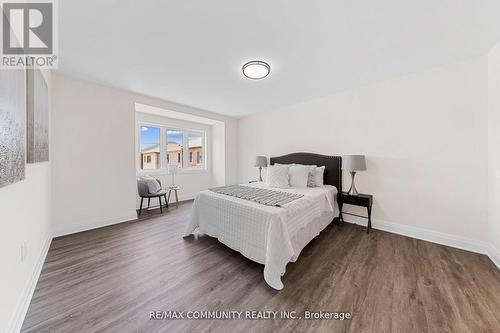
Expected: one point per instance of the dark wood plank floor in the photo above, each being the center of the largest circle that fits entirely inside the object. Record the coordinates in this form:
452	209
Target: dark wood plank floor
109	279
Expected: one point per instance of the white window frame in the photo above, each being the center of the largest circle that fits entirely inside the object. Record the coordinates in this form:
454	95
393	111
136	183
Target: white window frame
163	145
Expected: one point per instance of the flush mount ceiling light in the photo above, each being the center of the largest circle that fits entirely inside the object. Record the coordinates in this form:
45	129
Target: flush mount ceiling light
256	69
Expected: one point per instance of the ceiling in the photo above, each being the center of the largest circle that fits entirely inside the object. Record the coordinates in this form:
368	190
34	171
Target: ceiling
191	52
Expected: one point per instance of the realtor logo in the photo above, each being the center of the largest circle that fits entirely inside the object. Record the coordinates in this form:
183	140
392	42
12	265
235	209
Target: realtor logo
29	34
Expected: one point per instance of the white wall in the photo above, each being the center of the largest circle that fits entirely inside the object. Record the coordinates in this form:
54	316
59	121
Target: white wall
232	151
424	136
25	209
218	154
94	174
494	149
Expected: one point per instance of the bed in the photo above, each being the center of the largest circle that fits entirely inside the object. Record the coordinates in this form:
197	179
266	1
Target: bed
272	236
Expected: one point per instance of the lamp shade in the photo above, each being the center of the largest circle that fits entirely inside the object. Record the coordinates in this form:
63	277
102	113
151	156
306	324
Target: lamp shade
172	169
353	162
261	161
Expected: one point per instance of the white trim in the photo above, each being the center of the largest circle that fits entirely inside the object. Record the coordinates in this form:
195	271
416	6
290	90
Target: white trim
17	320
494	255
187	197
96	223
162	112
431	236
164	172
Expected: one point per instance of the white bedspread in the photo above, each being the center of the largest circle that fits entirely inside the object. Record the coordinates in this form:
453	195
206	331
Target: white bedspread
272	236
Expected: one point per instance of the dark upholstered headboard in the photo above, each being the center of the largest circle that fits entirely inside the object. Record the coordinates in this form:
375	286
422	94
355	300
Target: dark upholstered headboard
333	165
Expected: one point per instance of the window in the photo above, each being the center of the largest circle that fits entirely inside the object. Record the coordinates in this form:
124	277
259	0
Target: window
150	147
175	147
161	146
195	145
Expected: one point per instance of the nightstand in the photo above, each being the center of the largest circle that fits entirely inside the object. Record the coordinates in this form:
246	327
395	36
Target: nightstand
362	200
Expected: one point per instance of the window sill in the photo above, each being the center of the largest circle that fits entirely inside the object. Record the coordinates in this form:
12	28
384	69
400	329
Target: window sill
163	172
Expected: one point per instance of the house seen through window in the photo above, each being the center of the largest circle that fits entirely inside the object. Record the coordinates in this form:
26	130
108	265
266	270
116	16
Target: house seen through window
150	147
162	146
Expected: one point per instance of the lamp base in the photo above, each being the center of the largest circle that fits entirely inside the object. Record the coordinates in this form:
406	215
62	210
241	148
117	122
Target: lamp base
352	189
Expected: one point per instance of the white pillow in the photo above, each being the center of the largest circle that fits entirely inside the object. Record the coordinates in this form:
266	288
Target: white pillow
299	174
310	179
318	176
277	176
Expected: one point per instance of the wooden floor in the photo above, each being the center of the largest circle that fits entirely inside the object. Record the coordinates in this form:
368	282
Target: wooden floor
109	279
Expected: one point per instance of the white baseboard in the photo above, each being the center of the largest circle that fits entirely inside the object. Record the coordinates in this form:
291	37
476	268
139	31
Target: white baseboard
103	222
494	255
188	197
17	320
94	224
431	236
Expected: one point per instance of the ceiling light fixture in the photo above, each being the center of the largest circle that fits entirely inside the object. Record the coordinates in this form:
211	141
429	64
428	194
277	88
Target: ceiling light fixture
256	69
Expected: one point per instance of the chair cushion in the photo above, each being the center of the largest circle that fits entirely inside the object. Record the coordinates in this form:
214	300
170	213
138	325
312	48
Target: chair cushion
153	185
157	194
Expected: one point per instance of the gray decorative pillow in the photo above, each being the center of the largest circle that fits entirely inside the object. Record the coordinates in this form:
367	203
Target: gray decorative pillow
310	178
152	184
318	176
